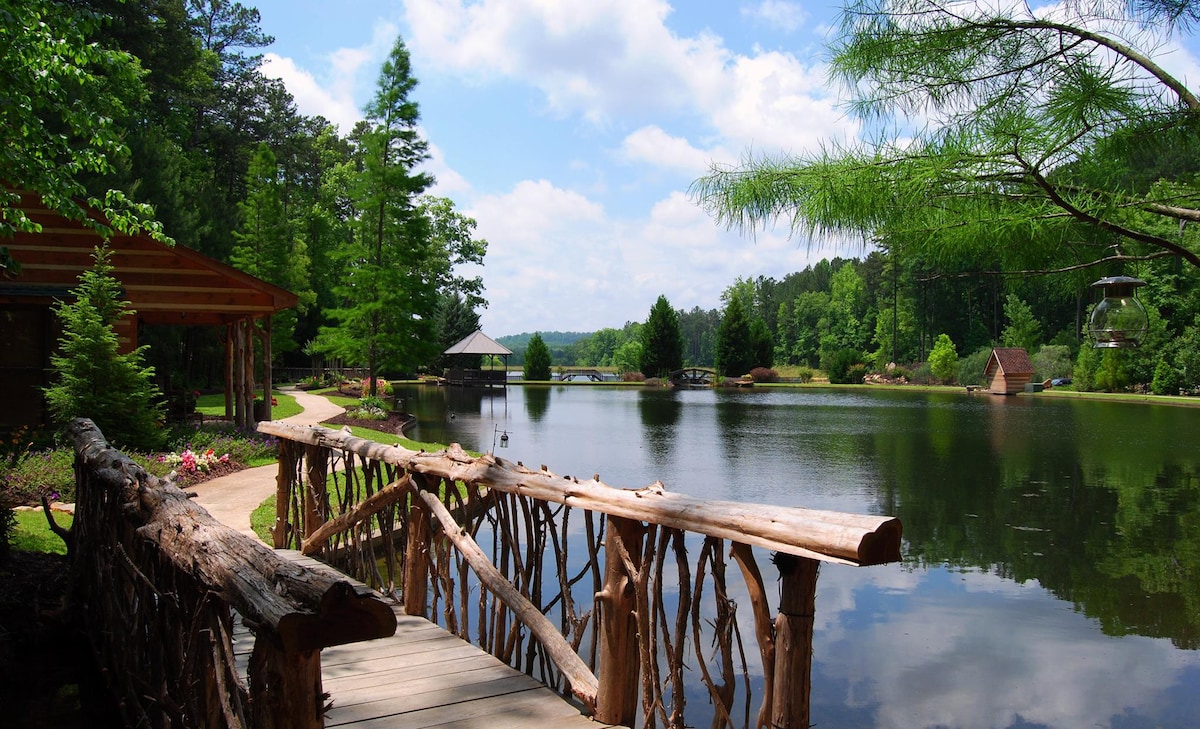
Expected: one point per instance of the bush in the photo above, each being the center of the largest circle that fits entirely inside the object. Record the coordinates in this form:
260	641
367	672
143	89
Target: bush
971	369
1051	361
943	360
634	376
8	522
1166	379
841	362
764	374
804	374
856	373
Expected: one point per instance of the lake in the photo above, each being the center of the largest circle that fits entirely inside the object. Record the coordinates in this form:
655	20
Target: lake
1051	571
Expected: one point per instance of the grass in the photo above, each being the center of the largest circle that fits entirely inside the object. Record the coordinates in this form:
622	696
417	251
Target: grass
213	406
32	533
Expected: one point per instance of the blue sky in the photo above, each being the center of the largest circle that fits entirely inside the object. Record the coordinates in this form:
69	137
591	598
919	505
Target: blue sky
571	130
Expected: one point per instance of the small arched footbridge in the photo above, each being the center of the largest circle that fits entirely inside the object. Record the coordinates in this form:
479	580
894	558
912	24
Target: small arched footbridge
693	377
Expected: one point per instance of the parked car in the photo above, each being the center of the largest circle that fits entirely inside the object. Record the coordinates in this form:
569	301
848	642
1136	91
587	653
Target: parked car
1060	381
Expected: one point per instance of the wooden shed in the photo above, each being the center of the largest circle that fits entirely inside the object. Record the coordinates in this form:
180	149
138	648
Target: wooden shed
1008	370
163	284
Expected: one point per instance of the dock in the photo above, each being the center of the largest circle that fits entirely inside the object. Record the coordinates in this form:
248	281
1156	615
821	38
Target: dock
425	677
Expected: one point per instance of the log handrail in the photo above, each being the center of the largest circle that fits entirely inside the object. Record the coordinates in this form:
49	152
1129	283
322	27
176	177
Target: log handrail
179	555
455	498
828	536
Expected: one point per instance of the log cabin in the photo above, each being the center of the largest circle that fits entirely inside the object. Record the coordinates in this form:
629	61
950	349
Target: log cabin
163	284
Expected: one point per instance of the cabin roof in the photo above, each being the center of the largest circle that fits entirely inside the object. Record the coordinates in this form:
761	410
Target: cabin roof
164	284
1010	361
479	343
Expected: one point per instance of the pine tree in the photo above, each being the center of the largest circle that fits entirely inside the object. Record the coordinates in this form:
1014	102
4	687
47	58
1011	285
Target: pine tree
537	359
734	348
92	380
662	341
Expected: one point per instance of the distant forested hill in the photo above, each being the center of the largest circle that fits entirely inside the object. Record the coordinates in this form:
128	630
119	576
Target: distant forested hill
560	345
518	342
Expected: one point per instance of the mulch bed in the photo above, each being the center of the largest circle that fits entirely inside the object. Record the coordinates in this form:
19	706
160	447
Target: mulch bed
394	425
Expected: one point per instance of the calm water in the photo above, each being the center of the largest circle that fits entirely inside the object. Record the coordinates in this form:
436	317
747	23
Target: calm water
1051	573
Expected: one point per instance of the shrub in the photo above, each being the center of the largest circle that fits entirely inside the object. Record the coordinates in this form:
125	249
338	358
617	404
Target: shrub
1166	379
8	522
382	386
971	368
841	362
1052	360
943	360
764	374
633	377
856	373
804	374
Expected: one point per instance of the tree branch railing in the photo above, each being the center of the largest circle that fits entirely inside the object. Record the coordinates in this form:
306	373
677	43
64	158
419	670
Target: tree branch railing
618	597
156	580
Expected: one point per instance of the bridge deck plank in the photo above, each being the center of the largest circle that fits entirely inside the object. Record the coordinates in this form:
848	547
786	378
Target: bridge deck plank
426	677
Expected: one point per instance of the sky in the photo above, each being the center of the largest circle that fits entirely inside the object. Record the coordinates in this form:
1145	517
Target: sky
571	130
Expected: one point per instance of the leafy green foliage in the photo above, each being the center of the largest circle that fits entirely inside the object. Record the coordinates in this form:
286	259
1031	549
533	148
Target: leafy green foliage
972	368
61	94
943	360
846	367
1051	361
537	359
662	341
1023	329
91	378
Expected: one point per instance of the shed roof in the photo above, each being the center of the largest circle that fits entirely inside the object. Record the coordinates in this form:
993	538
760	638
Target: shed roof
479	343
164	284
1010	360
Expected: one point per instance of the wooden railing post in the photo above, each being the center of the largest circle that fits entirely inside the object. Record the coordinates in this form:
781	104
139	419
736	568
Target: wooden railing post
285	481
316	459
617	673
793	641
416	555
286	687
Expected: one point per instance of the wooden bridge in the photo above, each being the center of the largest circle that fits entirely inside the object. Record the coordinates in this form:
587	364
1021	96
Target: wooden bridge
585	598
592	375
693	377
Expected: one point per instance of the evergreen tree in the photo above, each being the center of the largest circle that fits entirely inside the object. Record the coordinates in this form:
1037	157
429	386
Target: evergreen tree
266	248
734	350
662	340
762	345
537	359
389	288
943	360
91	378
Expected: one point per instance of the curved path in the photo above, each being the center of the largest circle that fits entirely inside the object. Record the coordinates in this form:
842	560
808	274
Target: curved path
231	499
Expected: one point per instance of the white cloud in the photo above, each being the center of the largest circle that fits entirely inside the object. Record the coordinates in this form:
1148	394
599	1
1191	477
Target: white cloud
777	14
335	102
652	145
331	91
618	62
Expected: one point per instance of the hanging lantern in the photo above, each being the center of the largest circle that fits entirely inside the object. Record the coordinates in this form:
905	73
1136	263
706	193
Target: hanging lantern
1120	320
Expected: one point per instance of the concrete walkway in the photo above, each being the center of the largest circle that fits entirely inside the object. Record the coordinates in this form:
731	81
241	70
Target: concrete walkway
231	499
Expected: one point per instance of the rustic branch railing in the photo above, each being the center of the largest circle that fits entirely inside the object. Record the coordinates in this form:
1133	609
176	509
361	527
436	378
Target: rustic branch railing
639	621
155	578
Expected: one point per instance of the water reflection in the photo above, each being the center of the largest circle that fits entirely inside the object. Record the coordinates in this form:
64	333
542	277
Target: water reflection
1052	547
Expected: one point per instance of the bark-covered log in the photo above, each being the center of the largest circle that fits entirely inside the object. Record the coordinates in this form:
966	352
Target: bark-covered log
300	608
823	535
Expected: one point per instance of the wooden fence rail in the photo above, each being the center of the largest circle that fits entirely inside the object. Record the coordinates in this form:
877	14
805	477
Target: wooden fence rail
617	597
155	579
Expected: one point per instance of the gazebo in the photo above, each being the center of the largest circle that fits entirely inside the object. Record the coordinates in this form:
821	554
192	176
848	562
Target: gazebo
477	344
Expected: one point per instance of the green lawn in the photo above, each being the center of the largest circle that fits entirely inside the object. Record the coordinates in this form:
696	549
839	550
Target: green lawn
213	405
32	533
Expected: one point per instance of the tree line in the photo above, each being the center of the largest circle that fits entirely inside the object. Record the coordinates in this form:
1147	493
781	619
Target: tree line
157	114
1054	151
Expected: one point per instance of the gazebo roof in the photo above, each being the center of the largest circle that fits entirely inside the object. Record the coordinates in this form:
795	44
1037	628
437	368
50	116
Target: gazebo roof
479	343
